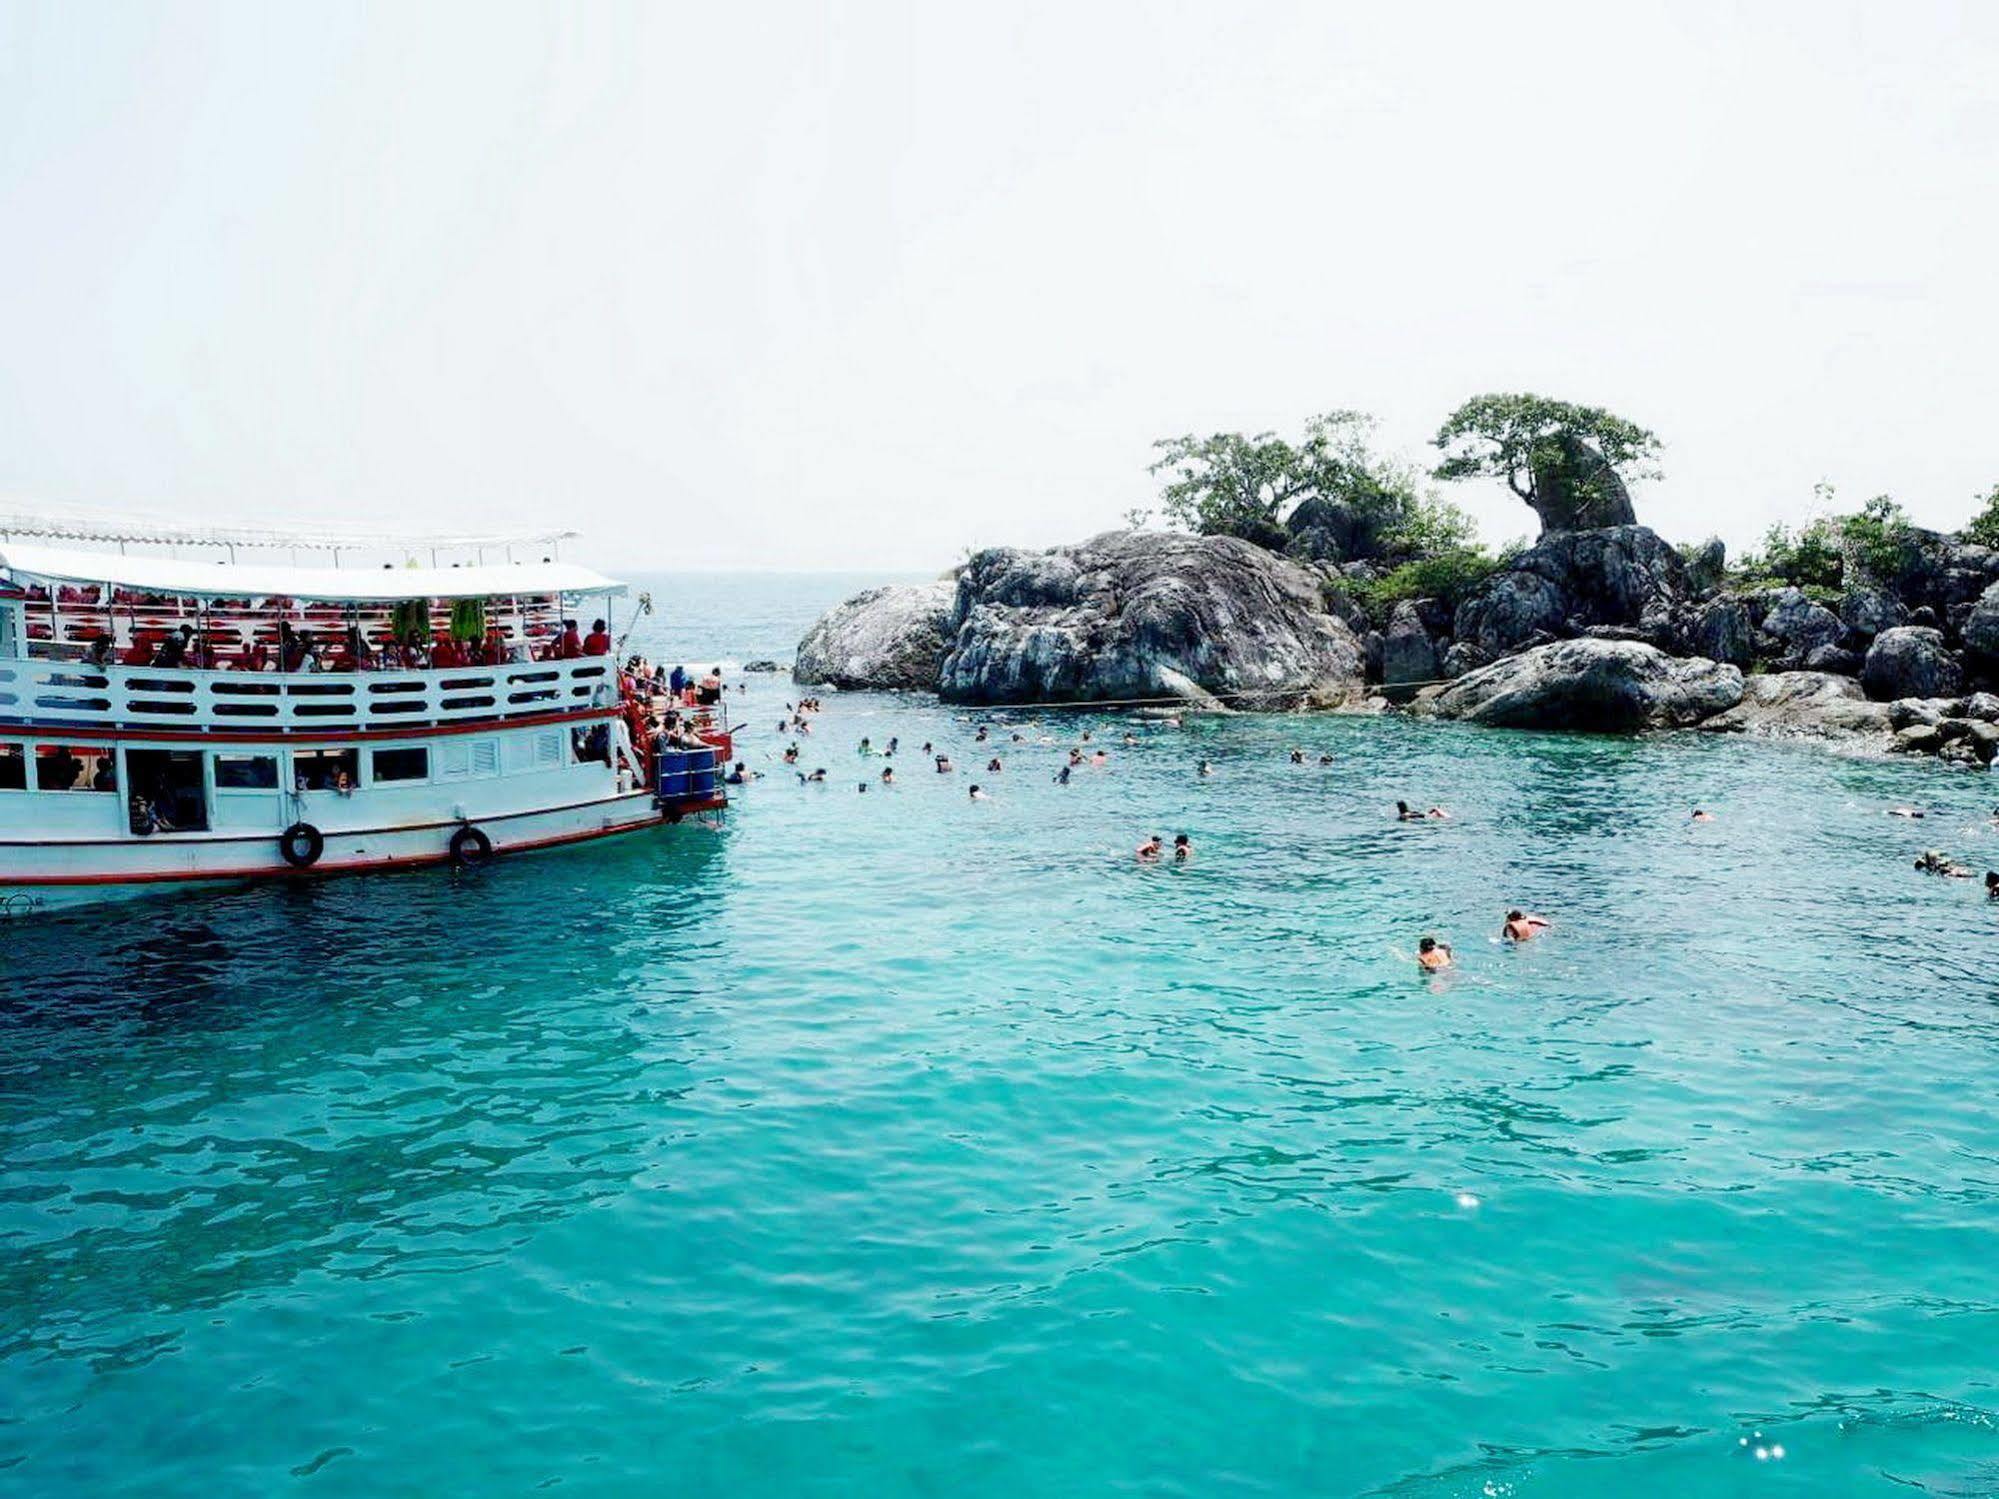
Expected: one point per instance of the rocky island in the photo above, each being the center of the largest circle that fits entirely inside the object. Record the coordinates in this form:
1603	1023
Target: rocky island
1318	575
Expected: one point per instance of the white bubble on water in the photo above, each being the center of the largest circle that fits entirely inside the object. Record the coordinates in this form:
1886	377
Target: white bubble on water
1467	1200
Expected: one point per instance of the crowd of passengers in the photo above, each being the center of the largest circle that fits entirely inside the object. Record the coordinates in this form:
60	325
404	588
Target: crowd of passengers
301	651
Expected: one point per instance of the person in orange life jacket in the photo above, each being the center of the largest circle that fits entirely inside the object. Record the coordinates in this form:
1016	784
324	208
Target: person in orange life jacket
598	641
568	645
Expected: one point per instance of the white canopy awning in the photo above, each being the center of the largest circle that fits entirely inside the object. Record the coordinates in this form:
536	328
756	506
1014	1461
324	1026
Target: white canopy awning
325	584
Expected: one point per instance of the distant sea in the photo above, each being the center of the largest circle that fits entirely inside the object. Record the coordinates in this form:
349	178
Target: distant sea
734	617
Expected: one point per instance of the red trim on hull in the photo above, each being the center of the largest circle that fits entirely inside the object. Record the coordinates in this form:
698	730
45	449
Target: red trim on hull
352	866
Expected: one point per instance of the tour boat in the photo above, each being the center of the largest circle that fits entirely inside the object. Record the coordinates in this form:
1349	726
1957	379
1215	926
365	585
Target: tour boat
168	721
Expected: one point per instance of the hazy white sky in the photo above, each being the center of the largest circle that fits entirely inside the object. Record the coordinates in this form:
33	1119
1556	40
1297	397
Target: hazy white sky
863	285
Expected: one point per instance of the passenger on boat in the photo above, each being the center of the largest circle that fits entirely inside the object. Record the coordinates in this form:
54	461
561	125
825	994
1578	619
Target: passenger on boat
173	650
106	778
710	691
355	652
57	771
676	681
256	657
291	648
100	651
140	651
598	641
568	645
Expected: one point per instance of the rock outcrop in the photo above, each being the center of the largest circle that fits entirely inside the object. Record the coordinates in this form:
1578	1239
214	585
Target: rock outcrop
1608	686
1408	654
1142	614
1624	576
891	637
1804	705
1910	661
1793	626
1981	630
1579	491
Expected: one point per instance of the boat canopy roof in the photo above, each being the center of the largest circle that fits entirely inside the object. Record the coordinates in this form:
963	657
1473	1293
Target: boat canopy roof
361	585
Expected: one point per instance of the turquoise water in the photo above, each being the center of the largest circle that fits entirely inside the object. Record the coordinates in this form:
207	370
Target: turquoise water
892	1144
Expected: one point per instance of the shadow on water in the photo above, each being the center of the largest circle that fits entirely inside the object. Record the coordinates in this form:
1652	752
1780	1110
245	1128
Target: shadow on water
210	1097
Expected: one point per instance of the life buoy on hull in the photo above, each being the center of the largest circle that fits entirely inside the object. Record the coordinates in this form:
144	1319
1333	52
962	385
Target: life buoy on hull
301	844
470	848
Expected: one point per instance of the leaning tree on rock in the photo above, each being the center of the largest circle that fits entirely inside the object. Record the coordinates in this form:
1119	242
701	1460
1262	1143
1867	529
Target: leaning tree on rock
1565	460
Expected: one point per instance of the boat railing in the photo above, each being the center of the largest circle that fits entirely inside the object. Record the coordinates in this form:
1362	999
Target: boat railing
38	693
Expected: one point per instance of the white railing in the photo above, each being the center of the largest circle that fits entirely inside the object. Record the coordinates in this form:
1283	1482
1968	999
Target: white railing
70	693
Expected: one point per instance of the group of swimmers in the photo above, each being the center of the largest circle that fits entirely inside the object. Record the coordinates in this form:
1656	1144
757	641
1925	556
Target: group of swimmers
1519	926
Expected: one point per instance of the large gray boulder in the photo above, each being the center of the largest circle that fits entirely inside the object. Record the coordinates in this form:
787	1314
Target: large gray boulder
1794	626
1407	652
1608	686
1577	490
1723	631
1804	705
1133	614
1910	661
887	638
1866	610
1569	581
1981	630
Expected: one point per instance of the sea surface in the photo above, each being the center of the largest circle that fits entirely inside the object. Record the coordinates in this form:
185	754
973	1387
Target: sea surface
896	1144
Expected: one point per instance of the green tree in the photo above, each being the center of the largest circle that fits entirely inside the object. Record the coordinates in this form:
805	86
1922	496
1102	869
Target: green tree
1984	526
1557	456
1248	486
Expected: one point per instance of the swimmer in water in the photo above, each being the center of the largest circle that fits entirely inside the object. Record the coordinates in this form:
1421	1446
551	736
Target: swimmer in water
1062	776
1903	812
1206	769
892	743
1700	816
993	766
1325	759
1933	861
1183	848
1520	927
943	765
1992	884
979	795
1432	956
888	775
1406	813
866	748
1100	759
1150	850
1075	757
980	737
864	788
1130	739
816	776
791	755
1297	757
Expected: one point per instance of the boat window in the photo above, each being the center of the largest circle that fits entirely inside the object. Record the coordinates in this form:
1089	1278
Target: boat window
246	772
75	767
323	769
167	795
400	765
13	768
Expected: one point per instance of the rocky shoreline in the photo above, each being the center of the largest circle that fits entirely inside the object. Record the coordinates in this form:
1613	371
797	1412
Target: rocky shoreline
1608	629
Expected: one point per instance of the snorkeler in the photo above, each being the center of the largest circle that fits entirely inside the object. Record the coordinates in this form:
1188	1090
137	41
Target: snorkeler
1520	927
1432	956
1406	813
1149	851
816	776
